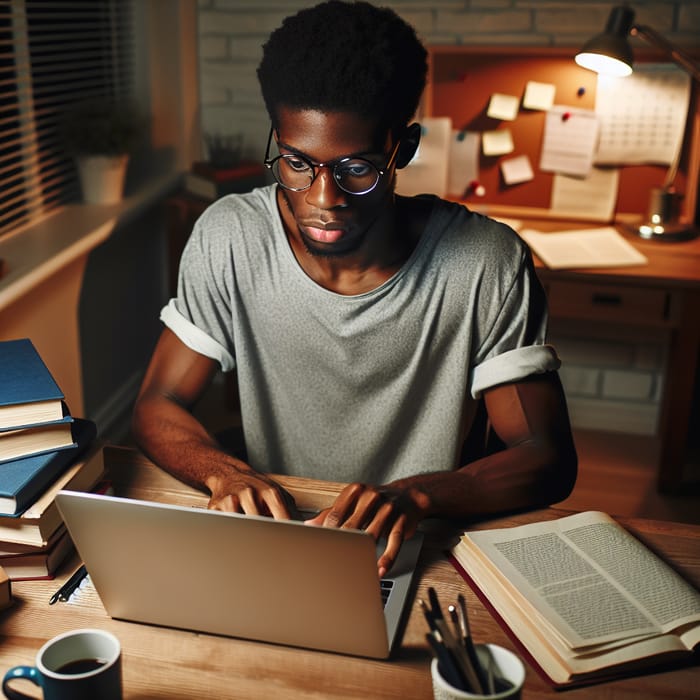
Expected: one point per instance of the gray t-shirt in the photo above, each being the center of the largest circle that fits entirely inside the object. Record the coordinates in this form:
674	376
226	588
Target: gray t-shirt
371	387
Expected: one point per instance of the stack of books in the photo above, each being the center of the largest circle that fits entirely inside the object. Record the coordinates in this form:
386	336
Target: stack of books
210	182
43	449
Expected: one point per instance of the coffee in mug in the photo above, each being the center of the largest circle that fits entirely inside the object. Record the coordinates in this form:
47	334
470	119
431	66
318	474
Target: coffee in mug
78	665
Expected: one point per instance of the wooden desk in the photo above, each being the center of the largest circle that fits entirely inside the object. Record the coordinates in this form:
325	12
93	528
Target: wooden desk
662	298
175	665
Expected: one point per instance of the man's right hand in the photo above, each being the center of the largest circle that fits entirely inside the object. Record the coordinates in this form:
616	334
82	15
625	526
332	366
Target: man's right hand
243	490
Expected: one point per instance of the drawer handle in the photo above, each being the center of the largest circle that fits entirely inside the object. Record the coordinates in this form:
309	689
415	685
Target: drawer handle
607	299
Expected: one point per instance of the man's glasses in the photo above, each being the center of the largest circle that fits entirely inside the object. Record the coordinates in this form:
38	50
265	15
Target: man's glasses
353	175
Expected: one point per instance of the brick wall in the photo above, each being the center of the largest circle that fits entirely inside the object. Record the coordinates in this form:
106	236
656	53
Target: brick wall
613	376
231	33
611	382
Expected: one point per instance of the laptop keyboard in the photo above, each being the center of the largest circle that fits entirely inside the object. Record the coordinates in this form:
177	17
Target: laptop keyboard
386	586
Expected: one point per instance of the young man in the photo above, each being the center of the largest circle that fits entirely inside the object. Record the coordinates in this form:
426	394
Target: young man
363	326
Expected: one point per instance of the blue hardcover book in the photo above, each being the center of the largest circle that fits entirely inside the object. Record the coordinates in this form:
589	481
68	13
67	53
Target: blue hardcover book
36	439
22	481
28	392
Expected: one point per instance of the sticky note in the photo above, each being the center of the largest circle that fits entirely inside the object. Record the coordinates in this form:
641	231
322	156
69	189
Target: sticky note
497	143
516	170
539	95
503	107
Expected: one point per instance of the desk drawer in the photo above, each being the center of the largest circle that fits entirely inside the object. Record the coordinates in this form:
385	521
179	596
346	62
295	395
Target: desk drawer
619	303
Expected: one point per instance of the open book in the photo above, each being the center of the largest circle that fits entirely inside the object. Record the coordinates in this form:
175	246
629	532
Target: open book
585	598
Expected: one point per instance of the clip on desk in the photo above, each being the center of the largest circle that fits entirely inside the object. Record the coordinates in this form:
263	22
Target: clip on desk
168	663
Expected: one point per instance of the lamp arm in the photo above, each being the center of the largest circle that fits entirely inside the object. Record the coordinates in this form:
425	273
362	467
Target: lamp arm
659	41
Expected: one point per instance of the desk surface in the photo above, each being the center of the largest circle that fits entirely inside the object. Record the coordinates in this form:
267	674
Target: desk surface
670	264
173	664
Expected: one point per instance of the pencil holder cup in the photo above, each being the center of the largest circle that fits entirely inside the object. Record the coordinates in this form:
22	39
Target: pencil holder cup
504	668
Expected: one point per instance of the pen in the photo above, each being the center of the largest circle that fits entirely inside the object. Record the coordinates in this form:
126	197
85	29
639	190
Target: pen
467	642
435	604
67	589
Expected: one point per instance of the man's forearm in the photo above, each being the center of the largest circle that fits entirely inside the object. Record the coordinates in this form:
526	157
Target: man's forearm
178	443
525	476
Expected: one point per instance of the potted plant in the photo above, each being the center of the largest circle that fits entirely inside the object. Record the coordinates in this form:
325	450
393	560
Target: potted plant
101	134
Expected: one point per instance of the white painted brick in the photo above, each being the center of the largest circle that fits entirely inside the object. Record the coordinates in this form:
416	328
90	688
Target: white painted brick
614	416
658	387
575	351
238	79
213	47
689	20
622	384
580	381
649	356
484	22
573	18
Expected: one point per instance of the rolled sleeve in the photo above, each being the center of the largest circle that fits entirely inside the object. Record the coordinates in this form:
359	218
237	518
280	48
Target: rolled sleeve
194	338
513	365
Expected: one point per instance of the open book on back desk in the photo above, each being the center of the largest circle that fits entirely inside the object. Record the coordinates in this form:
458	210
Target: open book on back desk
585	599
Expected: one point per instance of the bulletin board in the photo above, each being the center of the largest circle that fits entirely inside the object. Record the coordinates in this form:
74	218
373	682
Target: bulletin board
460	84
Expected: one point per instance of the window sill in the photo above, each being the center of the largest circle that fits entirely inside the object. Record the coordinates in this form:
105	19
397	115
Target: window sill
35	253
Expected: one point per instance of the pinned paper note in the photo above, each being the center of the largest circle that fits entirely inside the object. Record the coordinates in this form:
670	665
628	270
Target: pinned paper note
503	107
592	198
516	170
497	143
428	172
464	161
570	139
539	95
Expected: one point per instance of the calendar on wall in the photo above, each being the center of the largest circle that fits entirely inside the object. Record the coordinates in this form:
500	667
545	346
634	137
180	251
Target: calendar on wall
642	116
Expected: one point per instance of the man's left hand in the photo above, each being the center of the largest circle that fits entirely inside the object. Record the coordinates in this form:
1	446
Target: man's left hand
382	511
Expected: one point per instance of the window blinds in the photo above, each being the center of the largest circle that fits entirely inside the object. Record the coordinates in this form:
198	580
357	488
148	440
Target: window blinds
53	54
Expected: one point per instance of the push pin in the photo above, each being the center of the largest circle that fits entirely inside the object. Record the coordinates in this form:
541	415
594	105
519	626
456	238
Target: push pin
581	91
566	116
476	188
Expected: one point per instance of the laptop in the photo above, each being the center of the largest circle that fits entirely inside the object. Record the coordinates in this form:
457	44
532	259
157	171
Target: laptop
239	575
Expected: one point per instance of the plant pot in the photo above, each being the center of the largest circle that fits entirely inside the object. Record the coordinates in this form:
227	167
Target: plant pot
102	178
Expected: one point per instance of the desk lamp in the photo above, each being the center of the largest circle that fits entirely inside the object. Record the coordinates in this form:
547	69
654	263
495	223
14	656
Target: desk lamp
610	53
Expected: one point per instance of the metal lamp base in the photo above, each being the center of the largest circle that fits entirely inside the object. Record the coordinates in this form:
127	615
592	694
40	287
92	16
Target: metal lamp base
665	232
662	223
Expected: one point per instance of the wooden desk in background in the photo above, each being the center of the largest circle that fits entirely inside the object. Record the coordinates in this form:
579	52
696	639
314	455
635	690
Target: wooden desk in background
176	665
663	296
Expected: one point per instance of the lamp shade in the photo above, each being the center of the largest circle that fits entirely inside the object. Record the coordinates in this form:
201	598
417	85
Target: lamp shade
610	53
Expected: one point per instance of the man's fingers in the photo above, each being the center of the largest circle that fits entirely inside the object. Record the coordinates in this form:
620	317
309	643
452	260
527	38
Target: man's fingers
391	551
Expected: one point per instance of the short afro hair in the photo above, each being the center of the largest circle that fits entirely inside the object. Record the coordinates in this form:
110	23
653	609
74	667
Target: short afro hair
345	56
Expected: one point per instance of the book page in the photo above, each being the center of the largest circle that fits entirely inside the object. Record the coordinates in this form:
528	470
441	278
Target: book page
596	247
593	581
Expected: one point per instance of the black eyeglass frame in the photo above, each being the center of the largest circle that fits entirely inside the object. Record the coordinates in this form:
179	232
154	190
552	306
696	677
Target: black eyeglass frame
332	165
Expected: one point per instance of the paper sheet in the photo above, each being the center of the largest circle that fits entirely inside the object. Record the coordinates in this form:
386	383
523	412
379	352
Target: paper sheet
592	198
427	172
599	247
642	117
464	161
570	140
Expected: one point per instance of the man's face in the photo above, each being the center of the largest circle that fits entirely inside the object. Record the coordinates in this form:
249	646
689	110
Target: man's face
324	218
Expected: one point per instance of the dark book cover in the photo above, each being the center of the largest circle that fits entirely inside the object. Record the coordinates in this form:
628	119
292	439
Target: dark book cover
23	480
